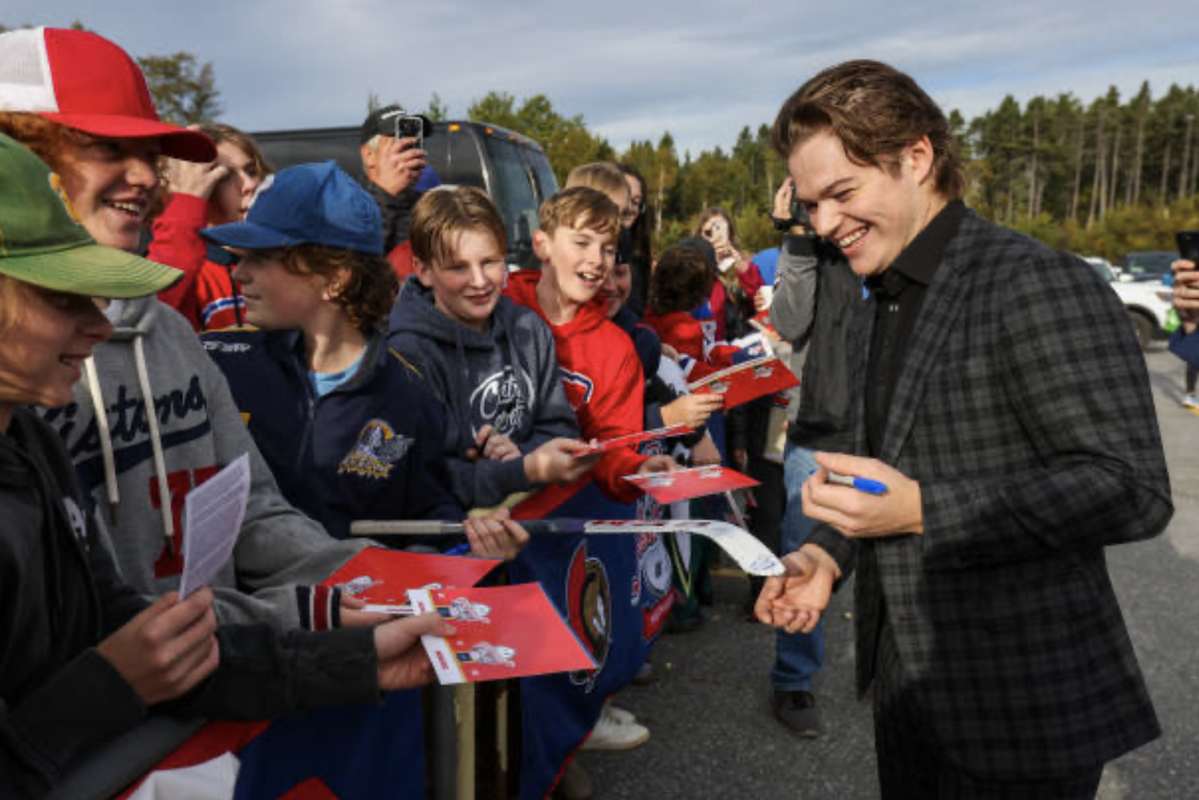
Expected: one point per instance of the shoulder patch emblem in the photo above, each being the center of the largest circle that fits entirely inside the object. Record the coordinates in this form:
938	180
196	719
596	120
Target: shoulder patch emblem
377	450
579	388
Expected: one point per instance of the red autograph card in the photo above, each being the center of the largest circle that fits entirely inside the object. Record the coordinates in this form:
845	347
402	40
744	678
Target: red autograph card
684	484
633	439
382	576
744	382
502	632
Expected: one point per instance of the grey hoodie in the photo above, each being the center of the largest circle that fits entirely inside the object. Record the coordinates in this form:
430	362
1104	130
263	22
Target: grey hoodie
506	377
126	461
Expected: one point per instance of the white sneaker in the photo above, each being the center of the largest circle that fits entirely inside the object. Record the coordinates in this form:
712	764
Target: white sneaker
619	715
1190	401
609	734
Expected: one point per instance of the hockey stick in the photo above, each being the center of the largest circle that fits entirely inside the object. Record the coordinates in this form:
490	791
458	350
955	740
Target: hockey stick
750	554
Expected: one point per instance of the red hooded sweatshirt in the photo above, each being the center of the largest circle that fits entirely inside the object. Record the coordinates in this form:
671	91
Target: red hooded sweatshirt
603	380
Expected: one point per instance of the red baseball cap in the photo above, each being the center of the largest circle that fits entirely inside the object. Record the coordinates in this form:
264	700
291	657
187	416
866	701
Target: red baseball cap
85	82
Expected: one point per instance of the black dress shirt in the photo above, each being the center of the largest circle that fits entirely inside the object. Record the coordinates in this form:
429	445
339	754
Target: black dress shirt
899	293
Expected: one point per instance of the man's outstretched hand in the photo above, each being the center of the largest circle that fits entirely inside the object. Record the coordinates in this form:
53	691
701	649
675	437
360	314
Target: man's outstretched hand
796	601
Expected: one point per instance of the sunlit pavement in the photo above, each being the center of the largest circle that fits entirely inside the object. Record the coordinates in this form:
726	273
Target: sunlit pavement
713	736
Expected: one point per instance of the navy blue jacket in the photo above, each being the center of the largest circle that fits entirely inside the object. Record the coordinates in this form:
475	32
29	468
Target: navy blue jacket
369	449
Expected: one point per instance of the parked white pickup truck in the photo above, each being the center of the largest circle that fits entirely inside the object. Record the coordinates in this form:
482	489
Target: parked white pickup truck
1147	301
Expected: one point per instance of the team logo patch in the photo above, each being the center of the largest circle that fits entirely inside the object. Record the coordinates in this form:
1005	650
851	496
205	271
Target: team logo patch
502	401
589	597
375	453
578	388
653	565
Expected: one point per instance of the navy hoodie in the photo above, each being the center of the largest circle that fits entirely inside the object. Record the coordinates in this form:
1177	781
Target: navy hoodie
366	450
506	377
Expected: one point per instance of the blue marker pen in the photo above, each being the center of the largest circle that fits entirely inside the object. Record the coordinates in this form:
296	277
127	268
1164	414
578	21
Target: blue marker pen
460	550
861	484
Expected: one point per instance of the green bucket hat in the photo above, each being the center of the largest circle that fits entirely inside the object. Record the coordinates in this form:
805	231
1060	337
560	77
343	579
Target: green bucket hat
41	242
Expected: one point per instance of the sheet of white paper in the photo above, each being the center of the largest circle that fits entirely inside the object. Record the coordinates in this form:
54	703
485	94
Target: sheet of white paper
212	517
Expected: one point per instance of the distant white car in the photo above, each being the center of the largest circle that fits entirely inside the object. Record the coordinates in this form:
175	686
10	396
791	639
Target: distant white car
1147	301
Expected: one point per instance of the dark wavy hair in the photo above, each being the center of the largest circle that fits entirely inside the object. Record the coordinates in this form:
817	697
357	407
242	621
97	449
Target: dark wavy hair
369	290
875	111
680	282
643	247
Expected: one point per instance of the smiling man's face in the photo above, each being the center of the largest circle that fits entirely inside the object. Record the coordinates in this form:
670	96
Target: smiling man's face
872	214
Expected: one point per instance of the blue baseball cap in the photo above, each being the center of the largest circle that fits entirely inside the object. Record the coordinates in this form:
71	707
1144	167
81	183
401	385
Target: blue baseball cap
306	204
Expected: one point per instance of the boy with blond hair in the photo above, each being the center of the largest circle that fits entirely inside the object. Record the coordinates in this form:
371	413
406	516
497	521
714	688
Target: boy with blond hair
509	427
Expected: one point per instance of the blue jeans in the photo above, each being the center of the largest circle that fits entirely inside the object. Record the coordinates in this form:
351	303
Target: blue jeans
797	656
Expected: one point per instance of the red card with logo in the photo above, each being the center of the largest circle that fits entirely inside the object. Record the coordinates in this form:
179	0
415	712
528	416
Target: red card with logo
382	576
750	380
633	439
684	484
502	632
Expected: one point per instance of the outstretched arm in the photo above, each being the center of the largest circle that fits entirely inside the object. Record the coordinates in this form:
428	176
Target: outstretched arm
795	601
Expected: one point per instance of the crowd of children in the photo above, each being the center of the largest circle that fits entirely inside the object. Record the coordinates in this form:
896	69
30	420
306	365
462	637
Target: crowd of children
468	387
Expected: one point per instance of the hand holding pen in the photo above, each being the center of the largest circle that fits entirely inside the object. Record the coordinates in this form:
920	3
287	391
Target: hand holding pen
862	497
492	445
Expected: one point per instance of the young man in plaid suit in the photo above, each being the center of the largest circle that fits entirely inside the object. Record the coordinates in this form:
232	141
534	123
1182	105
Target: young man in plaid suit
1001	399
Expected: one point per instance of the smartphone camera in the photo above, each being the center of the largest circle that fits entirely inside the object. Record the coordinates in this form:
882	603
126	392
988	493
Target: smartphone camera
799	214
410	126
1188	245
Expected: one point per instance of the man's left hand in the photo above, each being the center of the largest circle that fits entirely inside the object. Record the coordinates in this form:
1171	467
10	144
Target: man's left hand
855	513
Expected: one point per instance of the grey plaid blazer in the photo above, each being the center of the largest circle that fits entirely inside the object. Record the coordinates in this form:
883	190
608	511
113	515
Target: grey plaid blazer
1024	411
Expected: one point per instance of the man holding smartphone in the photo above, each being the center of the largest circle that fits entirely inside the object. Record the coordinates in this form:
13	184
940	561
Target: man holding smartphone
1184	343
393	165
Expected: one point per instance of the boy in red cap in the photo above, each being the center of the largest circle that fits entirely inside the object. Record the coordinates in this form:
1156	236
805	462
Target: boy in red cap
167	421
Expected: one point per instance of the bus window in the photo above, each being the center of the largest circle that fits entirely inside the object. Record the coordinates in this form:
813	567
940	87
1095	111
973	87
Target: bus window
512	192
455	155
544	178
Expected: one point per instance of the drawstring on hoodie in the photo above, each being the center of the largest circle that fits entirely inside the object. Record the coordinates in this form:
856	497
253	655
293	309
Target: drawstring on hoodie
110	465
160	469
111	484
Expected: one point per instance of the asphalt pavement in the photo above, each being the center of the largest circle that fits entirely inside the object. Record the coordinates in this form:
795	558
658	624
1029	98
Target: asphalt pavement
713	735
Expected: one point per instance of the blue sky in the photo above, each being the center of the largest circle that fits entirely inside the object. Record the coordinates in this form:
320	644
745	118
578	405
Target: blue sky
701	68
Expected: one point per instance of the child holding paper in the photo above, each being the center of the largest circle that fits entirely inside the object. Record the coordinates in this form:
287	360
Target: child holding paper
86	657
576	242
509	427
679	285
135	468
347	424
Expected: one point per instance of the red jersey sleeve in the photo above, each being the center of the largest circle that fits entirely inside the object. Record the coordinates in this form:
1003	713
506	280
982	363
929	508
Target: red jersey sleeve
177	244
751	280
618	410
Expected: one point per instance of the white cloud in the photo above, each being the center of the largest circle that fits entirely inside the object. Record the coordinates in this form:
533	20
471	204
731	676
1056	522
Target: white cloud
701	69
